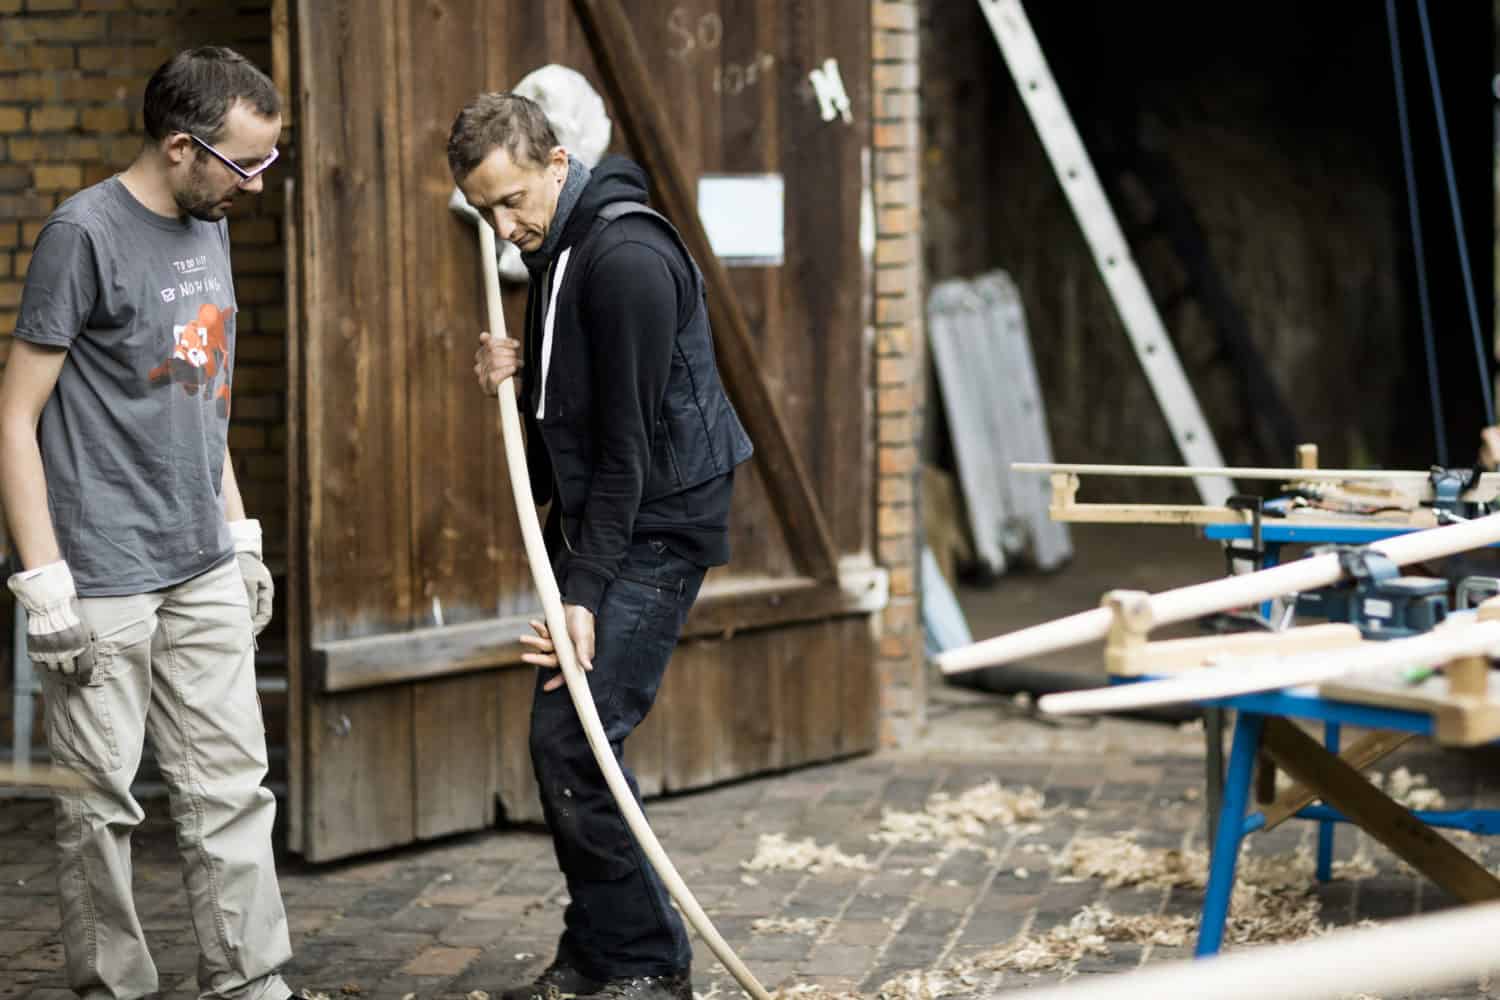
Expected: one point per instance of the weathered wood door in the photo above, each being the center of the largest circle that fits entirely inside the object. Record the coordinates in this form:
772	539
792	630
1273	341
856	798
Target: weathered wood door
409	703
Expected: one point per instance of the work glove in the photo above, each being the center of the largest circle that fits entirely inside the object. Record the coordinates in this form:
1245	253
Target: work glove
259	590
57	640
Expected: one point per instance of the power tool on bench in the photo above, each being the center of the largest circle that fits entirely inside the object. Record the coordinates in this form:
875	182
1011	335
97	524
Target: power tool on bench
1376	598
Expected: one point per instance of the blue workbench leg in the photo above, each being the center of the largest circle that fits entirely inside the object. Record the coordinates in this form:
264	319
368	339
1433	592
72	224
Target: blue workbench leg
1221	867
1331	738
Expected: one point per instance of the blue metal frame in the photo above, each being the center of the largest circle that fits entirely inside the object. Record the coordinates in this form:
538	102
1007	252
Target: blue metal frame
1236	822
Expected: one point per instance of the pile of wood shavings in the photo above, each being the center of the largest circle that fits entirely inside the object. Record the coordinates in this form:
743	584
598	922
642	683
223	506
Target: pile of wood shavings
775	852
811	926
1088	933
1413	791
959	823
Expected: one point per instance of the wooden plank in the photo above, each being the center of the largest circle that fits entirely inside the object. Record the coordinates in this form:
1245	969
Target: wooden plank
646	748
1416	482
1175	656
363	795
694	706
859	687
753	687
466	544
355	276
517	789
1344	788
728	606
641	115
1364	752
455	725
298	772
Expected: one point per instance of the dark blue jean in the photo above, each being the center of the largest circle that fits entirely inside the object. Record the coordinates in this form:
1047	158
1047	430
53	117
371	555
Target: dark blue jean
619	921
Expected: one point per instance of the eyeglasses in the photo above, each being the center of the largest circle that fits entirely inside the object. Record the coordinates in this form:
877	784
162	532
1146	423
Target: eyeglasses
246	176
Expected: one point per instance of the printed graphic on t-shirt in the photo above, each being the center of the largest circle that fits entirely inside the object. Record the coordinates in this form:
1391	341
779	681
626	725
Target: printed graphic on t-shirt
200	354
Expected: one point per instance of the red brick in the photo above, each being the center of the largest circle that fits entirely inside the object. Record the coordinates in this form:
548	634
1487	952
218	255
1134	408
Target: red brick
897	191
896	219
896	104
259	260
900	614
895	249
14	178
50	57
893	340
895	489
895	76
99	89
891	309
893	521
106	119
246	437
895	370
141	59
57	178
895	163
894	17
23	262
900	700
106	4
78	28
895	428
25	206
10	294
31	230
9	6
258	348
7	326
6	267
253	230
895	647
12	120
903	581
897	135
53	119
894	46
901	280
897	460
51	5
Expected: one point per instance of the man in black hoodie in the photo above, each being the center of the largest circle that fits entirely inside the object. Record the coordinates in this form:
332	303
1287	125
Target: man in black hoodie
631	437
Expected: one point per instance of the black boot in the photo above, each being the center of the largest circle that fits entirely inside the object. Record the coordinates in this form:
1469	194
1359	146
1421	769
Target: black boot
678	986
556	981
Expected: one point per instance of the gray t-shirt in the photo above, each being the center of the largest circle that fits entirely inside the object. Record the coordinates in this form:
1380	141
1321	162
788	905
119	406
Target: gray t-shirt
133	437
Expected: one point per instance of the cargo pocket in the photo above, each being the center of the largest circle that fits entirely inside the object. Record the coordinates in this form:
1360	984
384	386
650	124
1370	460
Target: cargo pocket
79	721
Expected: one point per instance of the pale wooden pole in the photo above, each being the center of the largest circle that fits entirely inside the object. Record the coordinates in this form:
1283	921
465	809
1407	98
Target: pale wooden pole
1187	603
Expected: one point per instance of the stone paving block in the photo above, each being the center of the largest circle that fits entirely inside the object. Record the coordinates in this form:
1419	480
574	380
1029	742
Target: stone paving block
440	961
848	961
874	905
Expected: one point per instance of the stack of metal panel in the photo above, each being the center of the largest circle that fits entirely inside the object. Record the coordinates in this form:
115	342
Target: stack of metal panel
993	404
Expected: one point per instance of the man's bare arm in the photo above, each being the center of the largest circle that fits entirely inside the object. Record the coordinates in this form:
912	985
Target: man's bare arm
30	375
234	504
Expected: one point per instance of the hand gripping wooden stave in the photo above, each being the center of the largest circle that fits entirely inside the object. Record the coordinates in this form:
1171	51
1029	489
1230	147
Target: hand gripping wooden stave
1186	603
578	685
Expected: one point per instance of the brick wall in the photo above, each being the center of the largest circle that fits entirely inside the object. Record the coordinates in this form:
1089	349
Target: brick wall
72	73
899	340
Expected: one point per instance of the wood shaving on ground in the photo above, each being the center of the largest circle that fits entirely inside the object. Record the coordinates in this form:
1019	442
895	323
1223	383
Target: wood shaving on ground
1089	933
1413	791
775	852
961	822
810	926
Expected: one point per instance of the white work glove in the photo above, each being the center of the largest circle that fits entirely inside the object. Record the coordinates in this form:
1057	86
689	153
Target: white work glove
57	640
259	590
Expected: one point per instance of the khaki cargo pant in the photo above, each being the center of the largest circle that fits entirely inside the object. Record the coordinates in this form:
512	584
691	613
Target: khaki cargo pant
176	667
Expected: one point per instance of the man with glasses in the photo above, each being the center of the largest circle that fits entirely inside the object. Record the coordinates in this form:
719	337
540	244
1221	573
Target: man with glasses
141	575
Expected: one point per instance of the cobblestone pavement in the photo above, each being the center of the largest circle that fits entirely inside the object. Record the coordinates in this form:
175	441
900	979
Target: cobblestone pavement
480	912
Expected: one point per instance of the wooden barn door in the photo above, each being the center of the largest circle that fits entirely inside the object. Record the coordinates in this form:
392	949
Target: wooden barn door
408	579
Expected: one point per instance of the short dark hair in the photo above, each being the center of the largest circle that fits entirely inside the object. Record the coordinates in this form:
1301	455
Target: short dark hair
194	90
493	120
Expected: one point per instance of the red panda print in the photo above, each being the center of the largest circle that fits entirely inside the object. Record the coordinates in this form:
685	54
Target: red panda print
199	354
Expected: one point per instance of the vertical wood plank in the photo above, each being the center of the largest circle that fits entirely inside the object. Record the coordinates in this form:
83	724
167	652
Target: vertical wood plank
752	681
692	705
362	798
517	784
455	726
355	274
859	729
